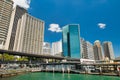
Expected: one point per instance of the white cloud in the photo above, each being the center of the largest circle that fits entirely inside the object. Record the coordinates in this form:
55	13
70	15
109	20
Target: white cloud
54	28
102	25
22	3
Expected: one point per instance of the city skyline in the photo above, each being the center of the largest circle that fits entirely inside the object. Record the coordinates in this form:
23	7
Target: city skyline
102	22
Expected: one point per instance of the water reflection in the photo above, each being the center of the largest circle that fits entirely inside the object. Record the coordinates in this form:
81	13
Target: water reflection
60	76
68	76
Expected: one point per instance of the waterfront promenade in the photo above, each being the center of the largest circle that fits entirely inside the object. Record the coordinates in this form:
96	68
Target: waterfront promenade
46	63
15	72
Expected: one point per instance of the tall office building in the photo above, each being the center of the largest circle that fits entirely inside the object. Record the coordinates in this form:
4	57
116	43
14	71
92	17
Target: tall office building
16	17
57	48
108	50
97	50
46	48
5	15
71	41
29	35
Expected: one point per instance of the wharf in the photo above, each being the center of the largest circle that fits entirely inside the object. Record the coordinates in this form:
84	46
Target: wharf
81	72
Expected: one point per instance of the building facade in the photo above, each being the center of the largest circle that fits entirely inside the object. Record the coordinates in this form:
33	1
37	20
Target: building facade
46	48
97	50
5	15
29	35
84	50
16	17
90	50
108	50
57	48
87	50
71	41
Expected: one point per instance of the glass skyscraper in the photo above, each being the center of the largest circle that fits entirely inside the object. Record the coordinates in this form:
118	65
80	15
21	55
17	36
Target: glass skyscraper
71	41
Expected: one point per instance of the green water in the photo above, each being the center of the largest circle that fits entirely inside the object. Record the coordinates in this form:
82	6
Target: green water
60	76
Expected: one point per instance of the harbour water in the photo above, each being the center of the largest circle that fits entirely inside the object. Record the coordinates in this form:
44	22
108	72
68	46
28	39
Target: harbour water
59	76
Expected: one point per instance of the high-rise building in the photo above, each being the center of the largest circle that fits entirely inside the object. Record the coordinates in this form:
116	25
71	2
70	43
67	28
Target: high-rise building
5	15
57	48
46	48
71	41
84	51
97	50
90	50
87	50
16	17
25	33
108	50
29	35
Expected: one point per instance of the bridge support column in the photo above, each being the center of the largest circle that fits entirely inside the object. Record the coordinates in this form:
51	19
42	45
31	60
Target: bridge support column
118	71
100	70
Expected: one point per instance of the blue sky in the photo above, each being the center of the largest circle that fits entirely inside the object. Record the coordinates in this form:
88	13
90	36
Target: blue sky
87	13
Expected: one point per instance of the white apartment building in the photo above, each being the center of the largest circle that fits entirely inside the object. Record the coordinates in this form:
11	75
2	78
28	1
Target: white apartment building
57	48
5	15
46	48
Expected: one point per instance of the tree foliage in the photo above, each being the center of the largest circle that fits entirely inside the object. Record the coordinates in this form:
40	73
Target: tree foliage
8	57
22	59
0	56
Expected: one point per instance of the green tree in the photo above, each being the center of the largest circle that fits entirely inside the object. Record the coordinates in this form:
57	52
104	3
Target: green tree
8	57
22	59
0	56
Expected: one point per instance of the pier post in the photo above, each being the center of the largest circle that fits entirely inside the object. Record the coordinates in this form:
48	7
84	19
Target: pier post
118	70
86	70
53	69
100	70
63	68
68	69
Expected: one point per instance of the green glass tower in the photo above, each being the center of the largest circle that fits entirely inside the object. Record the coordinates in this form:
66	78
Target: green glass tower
71	41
